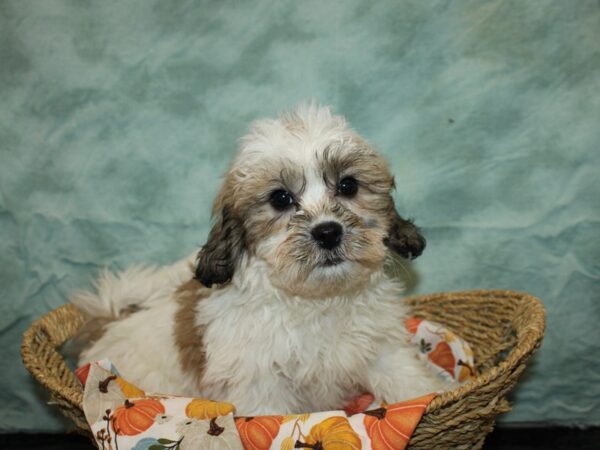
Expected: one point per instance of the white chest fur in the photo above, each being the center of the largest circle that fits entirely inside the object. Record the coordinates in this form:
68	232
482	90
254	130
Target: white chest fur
266	352
312	354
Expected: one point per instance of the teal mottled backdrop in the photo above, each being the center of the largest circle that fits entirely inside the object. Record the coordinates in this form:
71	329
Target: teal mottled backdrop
117	119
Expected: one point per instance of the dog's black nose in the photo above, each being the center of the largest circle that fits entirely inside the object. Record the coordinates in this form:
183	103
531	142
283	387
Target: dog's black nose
328	234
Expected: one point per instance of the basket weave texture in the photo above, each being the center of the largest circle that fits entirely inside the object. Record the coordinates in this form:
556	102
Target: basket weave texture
503	328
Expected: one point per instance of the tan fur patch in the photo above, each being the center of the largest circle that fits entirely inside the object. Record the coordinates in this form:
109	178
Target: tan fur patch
248	200
356	158
188	335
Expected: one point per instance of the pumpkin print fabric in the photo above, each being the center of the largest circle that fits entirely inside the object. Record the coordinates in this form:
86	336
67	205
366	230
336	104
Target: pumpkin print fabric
258	433
390	427
136	416
442	350
124	417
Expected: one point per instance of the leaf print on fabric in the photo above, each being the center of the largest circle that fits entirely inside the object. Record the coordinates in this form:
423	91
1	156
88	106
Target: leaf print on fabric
258	433
128	389
136	416
158	444
300	417
145	444
424	346
287	443
390	428
449	336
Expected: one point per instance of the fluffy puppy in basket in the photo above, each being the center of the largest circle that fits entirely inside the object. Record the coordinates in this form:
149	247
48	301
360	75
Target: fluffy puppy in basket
287	308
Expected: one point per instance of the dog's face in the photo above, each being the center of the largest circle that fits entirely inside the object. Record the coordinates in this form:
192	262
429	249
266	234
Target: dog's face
311	199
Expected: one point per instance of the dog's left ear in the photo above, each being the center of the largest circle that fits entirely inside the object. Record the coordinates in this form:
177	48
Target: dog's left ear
217	260
404	237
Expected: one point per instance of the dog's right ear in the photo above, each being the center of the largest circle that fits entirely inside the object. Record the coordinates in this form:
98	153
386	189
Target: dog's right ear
217	260
404	237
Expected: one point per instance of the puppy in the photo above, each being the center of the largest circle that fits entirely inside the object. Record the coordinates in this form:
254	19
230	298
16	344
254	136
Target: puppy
287	308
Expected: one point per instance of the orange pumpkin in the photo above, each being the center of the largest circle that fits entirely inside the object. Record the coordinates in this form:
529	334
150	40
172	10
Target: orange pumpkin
443	357
390	428
257	433
207	409
411	324
135	417
334	433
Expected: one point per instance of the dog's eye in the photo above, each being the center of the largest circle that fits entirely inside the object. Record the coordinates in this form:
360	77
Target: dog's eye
281	200
348	187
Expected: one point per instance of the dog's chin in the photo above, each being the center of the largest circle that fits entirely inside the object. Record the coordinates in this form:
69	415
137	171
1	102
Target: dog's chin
331	277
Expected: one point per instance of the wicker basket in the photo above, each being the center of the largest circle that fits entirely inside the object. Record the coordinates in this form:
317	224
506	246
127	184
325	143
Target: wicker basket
504	328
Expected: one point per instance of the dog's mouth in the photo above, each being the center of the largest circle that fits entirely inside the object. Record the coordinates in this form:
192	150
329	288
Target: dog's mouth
331	261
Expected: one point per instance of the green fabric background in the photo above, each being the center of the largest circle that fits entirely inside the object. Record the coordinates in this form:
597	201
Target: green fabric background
117	119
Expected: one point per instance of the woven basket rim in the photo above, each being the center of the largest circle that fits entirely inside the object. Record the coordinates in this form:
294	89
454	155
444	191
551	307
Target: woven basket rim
31	360
529	339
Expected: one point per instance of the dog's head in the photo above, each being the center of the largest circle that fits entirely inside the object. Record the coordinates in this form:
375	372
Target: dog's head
312	199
